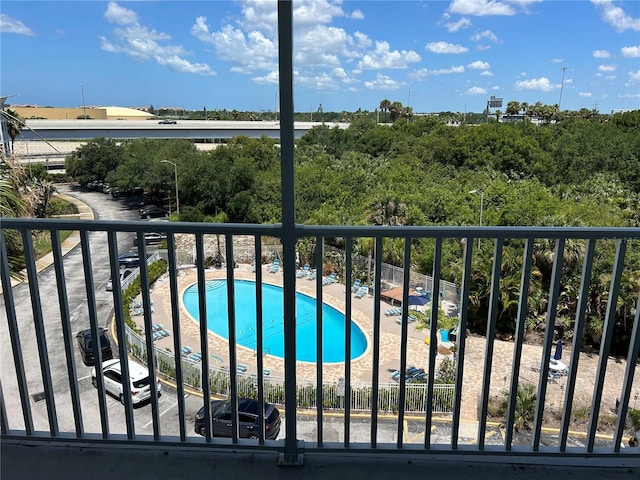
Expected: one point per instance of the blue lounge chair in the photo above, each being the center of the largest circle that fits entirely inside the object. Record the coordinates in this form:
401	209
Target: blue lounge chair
356	285
330	279
185	351
195	357
275	267
312	275
157	327
362	291
241	368
303	272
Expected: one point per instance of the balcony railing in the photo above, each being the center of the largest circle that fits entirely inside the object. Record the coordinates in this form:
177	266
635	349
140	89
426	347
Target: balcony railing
43	393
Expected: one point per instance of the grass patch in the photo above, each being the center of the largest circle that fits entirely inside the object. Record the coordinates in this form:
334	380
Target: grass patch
42	242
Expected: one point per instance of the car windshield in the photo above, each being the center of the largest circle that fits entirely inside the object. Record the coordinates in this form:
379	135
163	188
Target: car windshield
221	408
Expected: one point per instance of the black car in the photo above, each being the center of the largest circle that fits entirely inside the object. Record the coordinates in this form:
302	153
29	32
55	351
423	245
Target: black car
86	344
152	211
130	260
248	427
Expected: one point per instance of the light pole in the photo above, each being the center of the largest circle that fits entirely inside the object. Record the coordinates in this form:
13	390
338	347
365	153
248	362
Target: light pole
84	108
175	171
481	208
564	69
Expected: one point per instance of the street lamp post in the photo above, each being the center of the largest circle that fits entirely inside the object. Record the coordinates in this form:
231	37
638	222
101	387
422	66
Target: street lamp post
175	171
481	208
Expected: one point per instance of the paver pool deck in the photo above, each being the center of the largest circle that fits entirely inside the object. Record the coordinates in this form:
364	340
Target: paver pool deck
390	334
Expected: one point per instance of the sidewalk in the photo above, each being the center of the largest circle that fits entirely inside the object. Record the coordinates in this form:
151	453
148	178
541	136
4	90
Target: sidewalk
69	243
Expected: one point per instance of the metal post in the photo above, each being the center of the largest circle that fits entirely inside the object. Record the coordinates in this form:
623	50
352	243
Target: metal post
175	173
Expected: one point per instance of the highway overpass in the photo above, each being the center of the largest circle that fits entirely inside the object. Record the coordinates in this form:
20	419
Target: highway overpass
131	129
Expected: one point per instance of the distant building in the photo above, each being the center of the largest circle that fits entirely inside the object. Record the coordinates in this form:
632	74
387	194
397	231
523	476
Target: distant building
94	113
519	117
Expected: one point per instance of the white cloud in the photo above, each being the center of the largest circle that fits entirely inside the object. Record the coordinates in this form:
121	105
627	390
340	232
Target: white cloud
630	52
585	94
541	84
383	57
120	15
616	16
356	15
634	78
601	54
425	72
480	8
11	25
486	35
607	68
486	73
476	91
453	27
478	65
270	78
556	60
249	53
444	47
142	44
383	82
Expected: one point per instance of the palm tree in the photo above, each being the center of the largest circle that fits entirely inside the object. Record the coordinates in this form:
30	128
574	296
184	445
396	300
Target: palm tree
385	105
387	211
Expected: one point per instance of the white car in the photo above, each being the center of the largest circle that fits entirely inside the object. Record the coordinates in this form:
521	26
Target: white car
139	381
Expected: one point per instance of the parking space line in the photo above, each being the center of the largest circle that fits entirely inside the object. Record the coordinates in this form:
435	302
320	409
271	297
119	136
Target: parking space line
146	425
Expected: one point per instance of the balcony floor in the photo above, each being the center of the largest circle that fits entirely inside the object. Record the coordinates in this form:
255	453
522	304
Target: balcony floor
21	460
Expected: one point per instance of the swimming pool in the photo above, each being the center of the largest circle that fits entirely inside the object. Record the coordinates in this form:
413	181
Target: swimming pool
333	326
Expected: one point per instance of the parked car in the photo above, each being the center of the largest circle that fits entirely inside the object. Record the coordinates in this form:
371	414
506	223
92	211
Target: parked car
167	121
247	419
152	211
86	345
124	273
117	193
130	260
139	378
151	238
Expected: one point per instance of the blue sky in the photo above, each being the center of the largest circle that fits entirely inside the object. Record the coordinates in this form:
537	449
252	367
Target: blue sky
432	55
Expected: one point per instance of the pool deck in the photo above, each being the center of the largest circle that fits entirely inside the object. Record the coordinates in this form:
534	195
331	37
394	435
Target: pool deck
390	334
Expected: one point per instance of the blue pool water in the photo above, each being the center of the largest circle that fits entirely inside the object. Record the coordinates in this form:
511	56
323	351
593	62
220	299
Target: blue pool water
333	328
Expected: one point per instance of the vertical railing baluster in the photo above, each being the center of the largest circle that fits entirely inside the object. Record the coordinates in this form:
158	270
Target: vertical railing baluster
233	339
404	339
554	291
605	344
433	341
148	329
347	341
375	376
38	321
4	420
204	336
65	317
319	342
578	328
259	336
93	326
632	358
176	331
494	297
14	335
521	324
120	332
461	341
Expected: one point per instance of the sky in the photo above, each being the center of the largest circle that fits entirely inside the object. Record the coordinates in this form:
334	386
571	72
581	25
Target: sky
430	55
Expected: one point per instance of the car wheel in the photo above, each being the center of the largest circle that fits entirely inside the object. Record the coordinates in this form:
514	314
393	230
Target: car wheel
93	382
254	436
122	399
202	431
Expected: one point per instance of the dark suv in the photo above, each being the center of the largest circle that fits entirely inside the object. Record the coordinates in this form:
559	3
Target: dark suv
248	419
86	344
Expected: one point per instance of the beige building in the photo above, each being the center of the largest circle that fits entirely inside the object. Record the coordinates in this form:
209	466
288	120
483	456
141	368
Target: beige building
95	113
